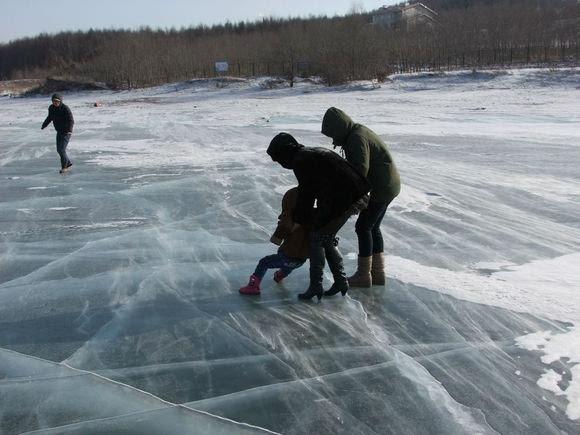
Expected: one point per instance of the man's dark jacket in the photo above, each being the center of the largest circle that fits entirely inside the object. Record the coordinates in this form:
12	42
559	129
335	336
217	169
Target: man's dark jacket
61	118
323	176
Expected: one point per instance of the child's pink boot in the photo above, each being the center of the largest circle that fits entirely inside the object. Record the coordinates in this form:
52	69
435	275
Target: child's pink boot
279	276
253	287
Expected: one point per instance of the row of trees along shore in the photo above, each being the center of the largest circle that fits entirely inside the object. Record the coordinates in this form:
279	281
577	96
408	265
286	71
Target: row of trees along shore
466	34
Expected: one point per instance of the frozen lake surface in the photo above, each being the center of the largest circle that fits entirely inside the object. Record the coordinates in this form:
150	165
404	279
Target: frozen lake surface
119	303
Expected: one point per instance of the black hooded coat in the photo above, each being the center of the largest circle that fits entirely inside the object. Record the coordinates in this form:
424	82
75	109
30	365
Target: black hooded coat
323	176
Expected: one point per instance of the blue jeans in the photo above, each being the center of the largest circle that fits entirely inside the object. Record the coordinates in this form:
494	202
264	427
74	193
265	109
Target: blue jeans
279	260
61	144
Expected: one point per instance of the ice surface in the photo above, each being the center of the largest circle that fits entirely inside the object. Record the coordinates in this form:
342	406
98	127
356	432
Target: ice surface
119	309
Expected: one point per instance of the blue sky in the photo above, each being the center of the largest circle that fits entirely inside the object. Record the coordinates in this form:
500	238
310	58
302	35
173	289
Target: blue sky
27	18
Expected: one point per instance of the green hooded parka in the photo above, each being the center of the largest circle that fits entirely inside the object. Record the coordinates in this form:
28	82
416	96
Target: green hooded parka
364	149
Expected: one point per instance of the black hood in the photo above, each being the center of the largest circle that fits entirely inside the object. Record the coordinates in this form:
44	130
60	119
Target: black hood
56	97
283	148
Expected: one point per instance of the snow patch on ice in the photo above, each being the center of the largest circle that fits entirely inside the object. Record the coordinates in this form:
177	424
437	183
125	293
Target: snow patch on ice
546	288
558	347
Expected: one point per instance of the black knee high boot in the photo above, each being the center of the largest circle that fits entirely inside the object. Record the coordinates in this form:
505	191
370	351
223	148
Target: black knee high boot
316	269
337	268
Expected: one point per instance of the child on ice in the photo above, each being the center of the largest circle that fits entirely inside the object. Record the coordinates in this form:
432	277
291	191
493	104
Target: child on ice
293	251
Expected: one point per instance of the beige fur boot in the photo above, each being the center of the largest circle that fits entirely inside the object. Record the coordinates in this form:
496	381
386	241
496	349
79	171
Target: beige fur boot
362	277
378	270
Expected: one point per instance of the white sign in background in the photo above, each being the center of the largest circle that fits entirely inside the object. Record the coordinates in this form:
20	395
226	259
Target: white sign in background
221	66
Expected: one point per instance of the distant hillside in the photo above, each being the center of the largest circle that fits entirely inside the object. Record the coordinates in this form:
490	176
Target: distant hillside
465	34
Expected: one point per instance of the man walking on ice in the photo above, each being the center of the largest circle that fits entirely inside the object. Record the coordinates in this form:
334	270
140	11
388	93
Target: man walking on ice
61	117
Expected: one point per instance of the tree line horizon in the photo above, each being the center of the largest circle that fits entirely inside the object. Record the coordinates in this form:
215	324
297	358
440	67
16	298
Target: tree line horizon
465	34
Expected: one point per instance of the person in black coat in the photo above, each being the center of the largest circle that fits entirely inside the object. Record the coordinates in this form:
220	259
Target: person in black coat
339	191
61	117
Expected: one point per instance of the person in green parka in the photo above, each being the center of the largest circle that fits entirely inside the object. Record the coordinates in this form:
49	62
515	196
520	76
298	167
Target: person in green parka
370	155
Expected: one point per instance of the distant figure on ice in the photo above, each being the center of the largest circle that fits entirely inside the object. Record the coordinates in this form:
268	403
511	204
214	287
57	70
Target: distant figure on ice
61	117
369	154
339	190
293	252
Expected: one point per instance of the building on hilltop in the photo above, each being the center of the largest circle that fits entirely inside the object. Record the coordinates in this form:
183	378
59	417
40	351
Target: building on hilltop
407	16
